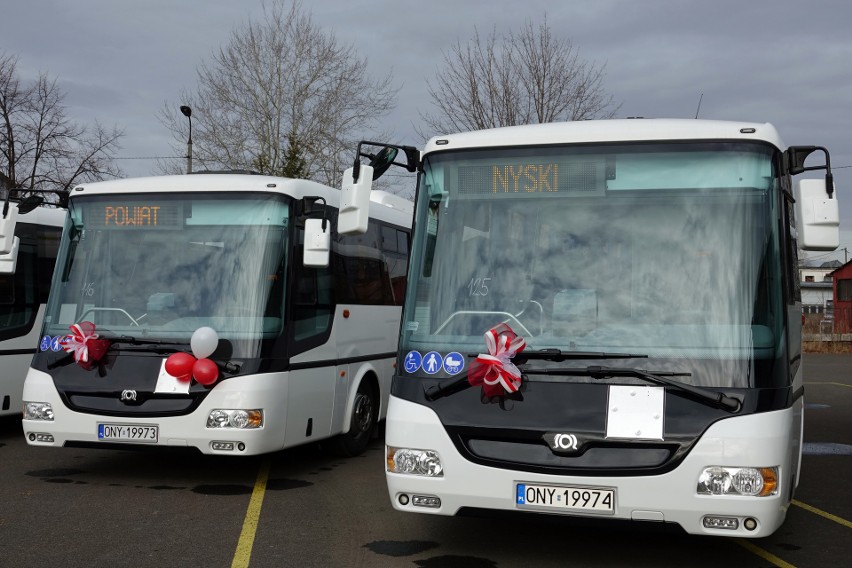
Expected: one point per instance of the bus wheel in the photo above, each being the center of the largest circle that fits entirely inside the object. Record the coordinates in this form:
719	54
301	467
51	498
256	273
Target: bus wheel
362	425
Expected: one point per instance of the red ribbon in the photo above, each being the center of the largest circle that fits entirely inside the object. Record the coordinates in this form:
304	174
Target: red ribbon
84	344
495	370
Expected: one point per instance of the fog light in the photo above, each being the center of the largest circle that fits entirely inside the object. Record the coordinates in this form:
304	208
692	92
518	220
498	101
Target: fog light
403	499
750	524
222	446
428	501
414	462
235	418
38	411
716	522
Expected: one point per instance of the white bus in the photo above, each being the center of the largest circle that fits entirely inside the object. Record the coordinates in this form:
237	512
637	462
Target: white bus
220	325
645	275
30	239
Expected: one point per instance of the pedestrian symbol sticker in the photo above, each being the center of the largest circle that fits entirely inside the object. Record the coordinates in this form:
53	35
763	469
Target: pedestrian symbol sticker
432	362
412	361
55	345
453	363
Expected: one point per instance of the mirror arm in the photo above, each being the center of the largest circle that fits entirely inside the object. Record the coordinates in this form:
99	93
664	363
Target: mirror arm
356	167
6	203
796	164
317	199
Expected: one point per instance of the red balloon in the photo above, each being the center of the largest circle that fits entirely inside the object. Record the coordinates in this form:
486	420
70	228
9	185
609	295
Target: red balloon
179	365
205	372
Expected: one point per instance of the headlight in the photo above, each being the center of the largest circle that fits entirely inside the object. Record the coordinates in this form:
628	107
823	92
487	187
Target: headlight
38	411
414	462
753	481
235	418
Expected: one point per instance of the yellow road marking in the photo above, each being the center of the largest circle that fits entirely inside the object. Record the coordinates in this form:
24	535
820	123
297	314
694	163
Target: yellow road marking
823	514
243	552
827	383
768	556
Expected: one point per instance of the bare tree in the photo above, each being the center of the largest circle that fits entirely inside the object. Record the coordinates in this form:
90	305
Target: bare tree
41	149
519	78
282	97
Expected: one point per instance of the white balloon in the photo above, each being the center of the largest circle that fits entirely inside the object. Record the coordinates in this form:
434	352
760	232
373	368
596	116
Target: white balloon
204	342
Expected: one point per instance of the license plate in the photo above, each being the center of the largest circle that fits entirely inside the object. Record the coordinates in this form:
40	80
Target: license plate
566	498
129	433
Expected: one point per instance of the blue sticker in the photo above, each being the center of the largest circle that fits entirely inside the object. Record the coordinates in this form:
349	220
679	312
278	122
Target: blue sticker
55	345
432	362
453	363
412	361
45	343
522	489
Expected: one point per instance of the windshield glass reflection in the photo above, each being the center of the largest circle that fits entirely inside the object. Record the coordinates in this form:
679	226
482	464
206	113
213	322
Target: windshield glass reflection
668	251
161	266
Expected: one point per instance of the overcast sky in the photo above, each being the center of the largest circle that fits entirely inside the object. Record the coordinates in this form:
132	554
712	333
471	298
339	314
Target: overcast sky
782	61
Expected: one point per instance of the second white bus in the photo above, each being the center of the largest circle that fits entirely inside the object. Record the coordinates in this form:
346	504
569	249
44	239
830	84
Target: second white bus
303	329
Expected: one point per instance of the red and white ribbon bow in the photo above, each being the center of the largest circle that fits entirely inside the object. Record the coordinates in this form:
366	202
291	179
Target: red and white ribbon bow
494	370
80	340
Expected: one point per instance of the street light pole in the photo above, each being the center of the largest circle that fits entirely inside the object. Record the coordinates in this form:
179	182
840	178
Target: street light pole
187	112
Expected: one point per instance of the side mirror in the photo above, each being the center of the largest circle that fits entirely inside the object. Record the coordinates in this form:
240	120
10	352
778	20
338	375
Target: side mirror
29	203
317	245
7	229
382	161
817	216
9	261
355	202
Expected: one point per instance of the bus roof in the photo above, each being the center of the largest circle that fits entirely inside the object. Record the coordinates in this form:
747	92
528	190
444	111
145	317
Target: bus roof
393	208
596	131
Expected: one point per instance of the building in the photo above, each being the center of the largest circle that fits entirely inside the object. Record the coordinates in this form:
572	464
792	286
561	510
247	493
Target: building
842	297
817	288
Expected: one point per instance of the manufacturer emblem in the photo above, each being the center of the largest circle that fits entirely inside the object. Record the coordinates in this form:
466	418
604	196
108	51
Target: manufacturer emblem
128	396
563	443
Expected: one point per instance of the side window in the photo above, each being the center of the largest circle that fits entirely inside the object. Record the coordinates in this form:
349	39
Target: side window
794	284
47	249
361	271
397	261
313	297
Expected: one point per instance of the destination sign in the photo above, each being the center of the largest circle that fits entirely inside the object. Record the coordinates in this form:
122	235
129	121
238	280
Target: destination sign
135	215
531	178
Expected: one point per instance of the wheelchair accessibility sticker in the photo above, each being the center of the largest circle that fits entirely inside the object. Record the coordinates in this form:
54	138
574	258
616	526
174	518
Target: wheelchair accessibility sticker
412	361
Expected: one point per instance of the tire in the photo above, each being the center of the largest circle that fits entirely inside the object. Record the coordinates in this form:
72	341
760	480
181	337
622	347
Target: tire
363	423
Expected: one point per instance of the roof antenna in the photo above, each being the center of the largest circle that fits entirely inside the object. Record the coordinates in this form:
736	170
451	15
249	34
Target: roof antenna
699	105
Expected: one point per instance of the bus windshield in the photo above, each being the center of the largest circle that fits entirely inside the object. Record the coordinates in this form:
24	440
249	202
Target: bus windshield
159	266
666	249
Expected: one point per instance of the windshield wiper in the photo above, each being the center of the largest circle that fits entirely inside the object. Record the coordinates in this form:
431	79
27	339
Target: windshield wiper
558	355
446	388
458	384
161	346
707	396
